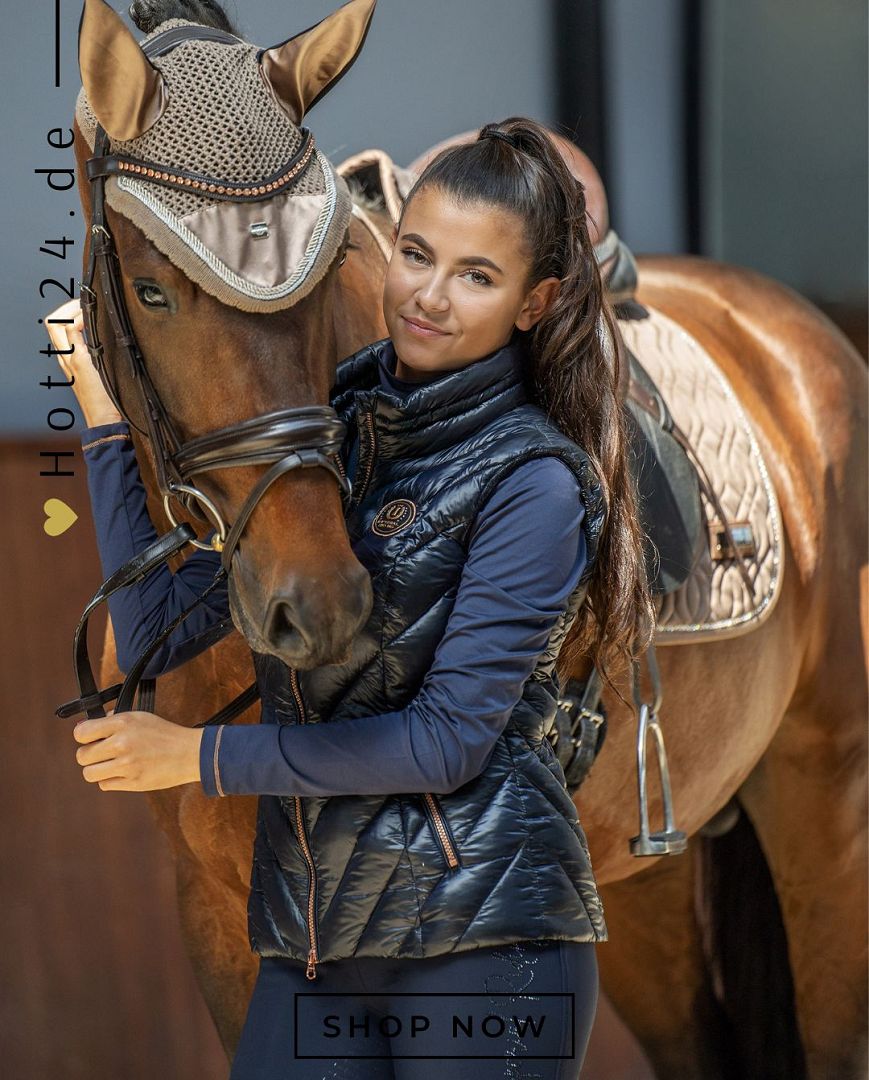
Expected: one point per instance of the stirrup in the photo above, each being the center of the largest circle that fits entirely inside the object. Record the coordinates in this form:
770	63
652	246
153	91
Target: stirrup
669	840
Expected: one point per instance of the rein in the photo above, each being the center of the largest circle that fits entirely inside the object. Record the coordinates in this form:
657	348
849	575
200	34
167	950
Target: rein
308	436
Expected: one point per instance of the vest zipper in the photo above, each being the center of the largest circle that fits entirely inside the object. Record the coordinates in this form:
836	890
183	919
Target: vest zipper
441	830
313	956
359	491
313	953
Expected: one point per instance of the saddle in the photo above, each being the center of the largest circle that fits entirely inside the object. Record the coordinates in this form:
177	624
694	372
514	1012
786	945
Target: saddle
376	183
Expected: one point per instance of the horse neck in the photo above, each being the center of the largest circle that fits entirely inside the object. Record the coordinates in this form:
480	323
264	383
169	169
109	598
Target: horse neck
359	307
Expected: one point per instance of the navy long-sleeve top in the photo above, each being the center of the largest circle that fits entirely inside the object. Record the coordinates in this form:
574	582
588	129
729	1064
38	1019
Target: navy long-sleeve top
526	555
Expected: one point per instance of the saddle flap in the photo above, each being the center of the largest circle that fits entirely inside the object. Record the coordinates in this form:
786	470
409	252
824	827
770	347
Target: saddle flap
671	512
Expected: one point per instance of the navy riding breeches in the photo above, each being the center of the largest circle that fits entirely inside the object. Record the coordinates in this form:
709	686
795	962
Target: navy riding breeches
522	1011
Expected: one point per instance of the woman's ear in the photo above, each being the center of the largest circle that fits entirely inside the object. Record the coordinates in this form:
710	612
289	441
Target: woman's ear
537	302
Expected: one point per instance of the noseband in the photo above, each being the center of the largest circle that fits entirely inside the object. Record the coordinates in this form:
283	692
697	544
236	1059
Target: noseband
305	436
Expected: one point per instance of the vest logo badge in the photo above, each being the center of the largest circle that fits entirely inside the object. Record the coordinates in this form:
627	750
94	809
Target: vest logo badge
393	516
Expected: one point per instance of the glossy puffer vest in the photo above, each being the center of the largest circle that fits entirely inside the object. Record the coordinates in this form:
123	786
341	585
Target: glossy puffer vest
503	858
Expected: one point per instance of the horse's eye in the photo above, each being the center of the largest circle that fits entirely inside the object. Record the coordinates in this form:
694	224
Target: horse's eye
150	294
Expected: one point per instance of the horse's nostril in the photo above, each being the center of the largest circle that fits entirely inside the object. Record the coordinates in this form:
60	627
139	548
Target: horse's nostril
280	630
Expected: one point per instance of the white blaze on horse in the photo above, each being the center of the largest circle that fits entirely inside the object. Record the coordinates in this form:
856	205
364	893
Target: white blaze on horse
749	426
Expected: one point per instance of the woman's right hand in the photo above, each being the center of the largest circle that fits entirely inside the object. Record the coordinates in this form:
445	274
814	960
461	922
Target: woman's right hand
96	405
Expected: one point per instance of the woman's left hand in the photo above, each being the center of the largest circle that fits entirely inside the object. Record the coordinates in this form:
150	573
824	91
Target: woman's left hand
137	751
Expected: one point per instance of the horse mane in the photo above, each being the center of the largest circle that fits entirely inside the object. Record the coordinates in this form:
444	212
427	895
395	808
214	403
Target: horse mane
149	14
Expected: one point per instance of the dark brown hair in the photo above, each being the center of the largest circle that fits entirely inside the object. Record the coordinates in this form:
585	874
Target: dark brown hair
575	364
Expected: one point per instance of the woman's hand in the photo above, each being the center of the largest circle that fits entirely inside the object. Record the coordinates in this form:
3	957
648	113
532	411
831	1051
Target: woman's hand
137	751
77	365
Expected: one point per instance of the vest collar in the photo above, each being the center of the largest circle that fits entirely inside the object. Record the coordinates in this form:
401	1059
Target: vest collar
436	414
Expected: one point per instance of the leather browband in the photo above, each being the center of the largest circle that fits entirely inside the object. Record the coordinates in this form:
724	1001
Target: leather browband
199	183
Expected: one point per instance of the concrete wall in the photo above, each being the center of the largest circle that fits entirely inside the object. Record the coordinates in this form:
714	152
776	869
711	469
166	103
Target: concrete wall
785	166
426	72
783	136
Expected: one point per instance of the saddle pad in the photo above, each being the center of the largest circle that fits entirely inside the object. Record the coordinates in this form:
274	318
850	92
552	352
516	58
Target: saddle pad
713	602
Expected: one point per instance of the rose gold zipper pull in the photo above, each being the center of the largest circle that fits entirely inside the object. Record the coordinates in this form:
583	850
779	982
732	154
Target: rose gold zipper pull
311	969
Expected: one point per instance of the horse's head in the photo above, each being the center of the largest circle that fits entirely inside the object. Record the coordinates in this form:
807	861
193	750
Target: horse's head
228	226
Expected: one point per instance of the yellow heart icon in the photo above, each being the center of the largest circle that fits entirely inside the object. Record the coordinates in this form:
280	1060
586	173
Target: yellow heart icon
58	517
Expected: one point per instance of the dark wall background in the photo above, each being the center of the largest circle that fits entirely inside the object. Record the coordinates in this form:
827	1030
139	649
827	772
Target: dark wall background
735	129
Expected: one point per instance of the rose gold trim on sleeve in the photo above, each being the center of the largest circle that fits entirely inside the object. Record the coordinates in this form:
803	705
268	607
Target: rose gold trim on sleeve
105	438
217	782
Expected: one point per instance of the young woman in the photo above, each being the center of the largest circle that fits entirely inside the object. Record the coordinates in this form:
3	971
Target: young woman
439	855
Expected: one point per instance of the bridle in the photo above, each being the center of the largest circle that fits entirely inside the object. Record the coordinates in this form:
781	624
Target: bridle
308	436
300	437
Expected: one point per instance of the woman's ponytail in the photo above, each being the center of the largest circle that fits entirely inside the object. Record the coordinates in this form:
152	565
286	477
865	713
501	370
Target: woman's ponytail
575	364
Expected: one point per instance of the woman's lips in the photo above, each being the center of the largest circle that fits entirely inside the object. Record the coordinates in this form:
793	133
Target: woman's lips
422	331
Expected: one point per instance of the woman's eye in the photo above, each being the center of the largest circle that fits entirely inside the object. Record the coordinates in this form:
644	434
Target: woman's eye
150	294
414	254
480	278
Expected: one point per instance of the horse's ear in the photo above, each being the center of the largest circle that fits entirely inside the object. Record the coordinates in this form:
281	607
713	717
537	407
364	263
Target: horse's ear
304	68
124	89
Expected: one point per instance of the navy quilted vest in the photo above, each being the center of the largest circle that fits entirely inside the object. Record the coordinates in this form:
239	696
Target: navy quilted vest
503	858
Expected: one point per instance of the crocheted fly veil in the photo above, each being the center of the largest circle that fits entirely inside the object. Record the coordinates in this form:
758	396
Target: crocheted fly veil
221	177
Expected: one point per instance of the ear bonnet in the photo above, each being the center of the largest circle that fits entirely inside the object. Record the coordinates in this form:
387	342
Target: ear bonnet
248	208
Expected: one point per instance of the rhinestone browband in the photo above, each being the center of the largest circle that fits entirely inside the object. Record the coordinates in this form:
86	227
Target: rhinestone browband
206	185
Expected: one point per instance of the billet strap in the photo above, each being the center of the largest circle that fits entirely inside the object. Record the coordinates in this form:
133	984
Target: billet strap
586	728
591	695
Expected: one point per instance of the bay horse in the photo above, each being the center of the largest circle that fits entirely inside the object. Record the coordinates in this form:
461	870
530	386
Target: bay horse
769	724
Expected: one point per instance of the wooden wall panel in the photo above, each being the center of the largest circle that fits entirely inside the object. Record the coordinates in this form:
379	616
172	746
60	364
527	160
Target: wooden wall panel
96	983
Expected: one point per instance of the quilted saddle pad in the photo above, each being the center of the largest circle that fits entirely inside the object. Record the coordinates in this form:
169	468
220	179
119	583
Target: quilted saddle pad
713	602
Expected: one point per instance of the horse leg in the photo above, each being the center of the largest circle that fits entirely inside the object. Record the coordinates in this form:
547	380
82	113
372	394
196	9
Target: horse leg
212	882
807	798
654	972
213	922
807	801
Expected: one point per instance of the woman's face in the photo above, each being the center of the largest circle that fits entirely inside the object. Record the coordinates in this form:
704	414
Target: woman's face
456	285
